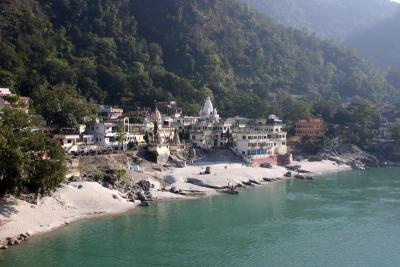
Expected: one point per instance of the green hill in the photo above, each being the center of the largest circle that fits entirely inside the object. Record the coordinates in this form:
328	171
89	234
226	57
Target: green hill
132	52
337	19
381	42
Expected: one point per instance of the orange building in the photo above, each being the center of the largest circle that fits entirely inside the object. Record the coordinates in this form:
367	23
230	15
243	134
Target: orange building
312	128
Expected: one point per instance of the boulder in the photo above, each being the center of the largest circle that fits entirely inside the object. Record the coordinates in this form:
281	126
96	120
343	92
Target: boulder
73	179
195	181
170	179
141	196
23	236
110	179
148	195
145	185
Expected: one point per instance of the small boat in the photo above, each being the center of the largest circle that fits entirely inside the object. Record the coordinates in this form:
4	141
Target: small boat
231	191
288	174
309	178
248	183
144	204
298	176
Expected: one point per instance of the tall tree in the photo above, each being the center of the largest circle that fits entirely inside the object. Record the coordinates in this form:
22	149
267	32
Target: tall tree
29	161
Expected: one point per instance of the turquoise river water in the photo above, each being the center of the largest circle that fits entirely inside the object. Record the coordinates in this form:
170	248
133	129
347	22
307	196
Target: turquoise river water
346	219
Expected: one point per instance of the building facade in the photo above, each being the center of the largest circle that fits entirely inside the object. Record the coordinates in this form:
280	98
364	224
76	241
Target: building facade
310	128
209	131
259	142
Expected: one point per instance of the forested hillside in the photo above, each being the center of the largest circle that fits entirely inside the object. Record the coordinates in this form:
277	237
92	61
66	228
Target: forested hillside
337	19
132	52
381	42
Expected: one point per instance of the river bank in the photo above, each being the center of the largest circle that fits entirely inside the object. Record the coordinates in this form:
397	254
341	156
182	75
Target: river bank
340	219
80	200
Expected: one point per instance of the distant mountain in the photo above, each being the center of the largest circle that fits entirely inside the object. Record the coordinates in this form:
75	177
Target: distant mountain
132	52
380	42
336	19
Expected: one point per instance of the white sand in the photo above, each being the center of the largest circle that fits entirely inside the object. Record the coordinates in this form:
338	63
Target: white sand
70	203
235	173
66	205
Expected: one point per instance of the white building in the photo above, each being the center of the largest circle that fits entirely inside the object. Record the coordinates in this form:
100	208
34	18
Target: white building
5	91
109	133
110	113
208	112
262	142
209	132
74	142
186	122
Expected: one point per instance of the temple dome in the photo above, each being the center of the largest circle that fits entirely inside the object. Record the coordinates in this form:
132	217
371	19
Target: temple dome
207	109
176	140
157	116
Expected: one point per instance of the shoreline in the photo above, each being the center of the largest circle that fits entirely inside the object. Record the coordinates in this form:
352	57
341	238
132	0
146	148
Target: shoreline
80	201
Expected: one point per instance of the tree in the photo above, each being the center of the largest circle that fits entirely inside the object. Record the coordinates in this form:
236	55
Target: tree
155	130
146	138
62	105
98	51
29	162
121	135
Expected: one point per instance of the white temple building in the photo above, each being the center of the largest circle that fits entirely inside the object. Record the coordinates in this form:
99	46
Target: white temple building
209	132
208	112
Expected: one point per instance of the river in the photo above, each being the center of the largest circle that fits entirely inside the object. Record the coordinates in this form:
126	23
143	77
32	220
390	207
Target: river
346	219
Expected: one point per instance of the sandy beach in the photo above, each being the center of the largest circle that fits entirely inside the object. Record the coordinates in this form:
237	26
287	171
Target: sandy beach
80	200
224	173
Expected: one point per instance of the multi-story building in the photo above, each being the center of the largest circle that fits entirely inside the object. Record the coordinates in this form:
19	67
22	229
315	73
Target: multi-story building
310	128
109	133
186	122
74	142
110	113
170	109
262	141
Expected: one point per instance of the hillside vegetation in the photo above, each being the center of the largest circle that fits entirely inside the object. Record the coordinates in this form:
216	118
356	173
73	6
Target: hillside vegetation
132	52
335	19
380	42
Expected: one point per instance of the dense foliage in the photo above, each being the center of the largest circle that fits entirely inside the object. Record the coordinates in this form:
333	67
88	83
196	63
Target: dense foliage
29	162
132	52
380	42
336	19
63	106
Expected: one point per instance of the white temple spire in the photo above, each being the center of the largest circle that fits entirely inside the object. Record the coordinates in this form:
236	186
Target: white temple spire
207	110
